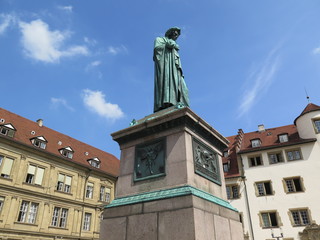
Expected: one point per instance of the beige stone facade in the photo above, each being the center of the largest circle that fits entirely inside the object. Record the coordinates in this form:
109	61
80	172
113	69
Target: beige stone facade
44	195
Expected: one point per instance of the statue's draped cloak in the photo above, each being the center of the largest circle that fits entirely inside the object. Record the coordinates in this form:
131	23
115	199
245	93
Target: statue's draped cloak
170	87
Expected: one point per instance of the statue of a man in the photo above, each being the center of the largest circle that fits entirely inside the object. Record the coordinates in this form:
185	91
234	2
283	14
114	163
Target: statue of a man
169	85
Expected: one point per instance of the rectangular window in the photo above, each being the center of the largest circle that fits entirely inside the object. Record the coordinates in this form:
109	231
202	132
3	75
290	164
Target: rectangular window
34	175
5	166
59	217
275	157
264	188
64	183
40	144
232	191
105	194
255	143
294	154
317	125
293	185
300	217
1	203
226	167
255	161
28	212
283	138
89	190
87	221
269	219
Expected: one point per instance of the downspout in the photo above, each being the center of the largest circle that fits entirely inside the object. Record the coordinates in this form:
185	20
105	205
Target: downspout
248	207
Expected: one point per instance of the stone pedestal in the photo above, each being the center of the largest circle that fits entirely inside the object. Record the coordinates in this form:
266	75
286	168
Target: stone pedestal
171	183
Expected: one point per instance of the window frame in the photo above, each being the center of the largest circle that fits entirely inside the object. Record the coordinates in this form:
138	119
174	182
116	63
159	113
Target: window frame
315	126
58	220
299	210
280	137
89	190
9	130
67	152
4	172
257	189
293	151
291	179
2	201
104	195
26	213
34	176
255	142
94	162
233	191
62	186
39	142
277	155
270	220
87	218
254	157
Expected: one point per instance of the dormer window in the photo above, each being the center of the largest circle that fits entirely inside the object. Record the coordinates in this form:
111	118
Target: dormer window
67	152
94	162
7	130
39	142
283	138
255	143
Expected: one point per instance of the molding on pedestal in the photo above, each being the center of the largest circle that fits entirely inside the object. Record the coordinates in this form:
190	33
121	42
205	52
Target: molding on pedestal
169	193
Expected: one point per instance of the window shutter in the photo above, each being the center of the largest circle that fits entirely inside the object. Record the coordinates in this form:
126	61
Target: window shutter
39	176
31	169
68	180
7	165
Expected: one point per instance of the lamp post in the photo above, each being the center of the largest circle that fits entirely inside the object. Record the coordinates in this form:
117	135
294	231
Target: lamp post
277	237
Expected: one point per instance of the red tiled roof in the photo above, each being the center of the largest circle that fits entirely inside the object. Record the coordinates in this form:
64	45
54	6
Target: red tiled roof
109	163
309	108
269	139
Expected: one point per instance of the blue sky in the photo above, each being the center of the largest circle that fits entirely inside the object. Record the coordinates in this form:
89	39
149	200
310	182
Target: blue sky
86	67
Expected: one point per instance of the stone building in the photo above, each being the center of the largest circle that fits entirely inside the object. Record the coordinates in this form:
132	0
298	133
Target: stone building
51	185
272	174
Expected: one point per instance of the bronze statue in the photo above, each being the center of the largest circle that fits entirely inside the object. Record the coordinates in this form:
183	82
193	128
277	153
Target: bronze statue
169	86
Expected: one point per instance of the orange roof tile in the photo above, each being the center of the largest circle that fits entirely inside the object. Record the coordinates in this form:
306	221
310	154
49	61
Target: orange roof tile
109	163
269	139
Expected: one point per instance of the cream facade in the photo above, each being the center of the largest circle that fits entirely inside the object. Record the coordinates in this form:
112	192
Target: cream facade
47	196
277	178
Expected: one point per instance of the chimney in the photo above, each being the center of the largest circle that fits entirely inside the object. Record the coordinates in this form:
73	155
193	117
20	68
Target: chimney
261	128
40	122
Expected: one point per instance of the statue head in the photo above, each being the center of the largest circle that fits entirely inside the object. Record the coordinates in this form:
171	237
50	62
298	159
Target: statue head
173	33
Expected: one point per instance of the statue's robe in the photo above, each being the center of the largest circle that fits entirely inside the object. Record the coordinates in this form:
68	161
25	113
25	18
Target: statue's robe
169	87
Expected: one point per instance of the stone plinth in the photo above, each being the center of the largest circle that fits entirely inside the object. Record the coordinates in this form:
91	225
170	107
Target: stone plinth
171	183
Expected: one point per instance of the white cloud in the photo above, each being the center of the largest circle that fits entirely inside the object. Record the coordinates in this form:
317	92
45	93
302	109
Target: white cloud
89	41
95	63
259	81
95	101
56	102
316	50
5	21
116	50
66	8
44	45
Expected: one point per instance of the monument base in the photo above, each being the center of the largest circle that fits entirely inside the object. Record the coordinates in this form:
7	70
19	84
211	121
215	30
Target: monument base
171	183
179	213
